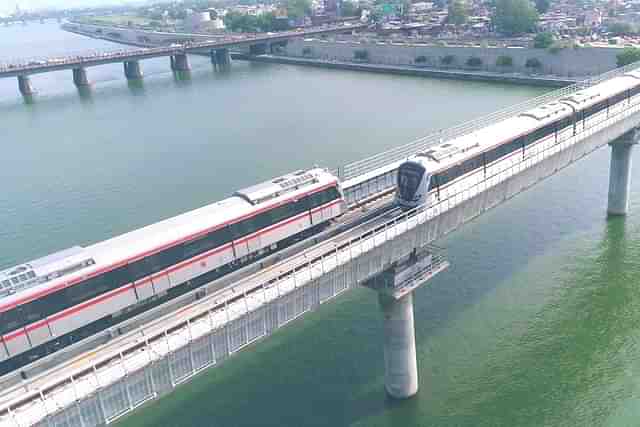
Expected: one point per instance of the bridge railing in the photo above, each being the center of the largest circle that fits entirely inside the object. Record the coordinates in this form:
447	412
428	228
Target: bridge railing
369	164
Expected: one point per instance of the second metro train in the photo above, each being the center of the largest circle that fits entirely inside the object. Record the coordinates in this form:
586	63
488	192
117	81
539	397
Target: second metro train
434	175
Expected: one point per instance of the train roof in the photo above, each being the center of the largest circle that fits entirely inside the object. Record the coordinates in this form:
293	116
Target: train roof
594	94
549	112
139	243
268	190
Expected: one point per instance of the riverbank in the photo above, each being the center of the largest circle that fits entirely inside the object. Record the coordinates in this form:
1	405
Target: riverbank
407	70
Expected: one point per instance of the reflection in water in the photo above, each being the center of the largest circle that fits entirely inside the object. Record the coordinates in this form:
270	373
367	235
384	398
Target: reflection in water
136	86
29	99
86	93
183	77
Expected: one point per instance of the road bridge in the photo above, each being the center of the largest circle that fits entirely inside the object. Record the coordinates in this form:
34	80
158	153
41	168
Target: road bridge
388	250
217	48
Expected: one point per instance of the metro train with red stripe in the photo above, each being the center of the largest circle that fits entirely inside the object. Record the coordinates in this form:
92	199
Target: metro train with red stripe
54	301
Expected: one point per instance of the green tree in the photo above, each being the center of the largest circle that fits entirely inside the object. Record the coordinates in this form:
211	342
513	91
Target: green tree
298	8
361	55
474	61
458	12
619	28
515	16
533	63
349	8
542	6
448	60
543	40
504	61
251	24
628	56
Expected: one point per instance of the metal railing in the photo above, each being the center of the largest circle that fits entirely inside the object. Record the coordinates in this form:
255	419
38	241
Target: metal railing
381	159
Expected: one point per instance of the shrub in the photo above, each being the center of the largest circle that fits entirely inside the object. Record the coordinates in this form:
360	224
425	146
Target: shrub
543	40
555	49
504	61
474	61
628	56
361	55
448	59
533	63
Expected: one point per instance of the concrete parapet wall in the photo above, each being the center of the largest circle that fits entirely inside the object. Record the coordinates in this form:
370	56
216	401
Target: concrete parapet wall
568	62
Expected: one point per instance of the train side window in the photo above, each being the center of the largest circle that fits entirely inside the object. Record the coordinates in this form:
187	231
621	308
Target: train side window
278	214
198	246
40	308
220	237
164	259
261	220
433	182
10	321
86	290
240	229
139	269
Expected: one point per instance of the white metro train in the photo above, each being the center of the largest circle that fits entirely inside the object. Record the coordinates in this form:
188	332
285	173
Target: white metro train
50	302
437	174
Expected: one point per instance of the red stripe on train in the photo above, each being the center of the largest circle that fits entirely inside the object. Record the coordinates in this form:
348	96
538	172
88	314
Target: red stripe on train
75	309
74	281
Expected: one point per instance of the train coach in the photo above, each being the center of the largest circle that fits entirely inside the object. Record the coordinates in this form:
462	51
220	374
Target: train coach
53	301
478	158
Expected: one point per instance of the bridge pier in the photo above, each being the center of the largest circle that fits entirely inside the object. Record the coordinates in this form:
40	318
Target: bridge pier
180	62
25	87
620	172
132	70
400	363
220	57
395	287
80	78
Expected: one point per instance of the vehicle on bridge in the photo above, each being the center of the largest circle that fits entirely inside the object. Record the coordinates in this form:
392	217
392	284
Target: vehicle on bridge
54	301
434	175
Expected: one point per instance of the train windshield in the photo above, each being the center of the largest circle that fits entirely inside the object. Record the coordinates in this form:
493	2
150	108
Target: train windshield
409	177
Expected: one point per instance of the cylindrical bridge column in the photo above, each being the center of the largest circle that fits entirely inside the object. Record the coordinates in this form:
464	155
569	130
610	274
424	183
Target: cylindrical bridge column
80	77
132	70
180	62
401	367
220	57
24	85
620	173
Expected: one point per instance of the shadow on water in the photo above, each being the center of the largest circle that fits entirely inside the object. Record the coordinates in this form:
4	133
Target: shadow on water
562	369
86	94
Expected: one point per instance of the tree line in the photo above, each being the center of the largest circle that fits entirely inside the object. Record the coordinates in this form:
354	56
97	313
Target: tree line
509	17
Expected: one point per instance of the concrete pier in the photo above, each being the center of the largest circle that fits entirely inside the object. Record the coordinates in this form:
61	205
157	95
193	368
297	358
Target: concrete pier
132	70
620	173
220	58
180	63
401	367
24	85
395	286
80	77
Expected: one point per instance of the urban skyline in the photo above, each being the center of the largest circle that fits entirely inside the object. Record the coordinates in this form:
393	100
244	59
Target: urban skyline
10	7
